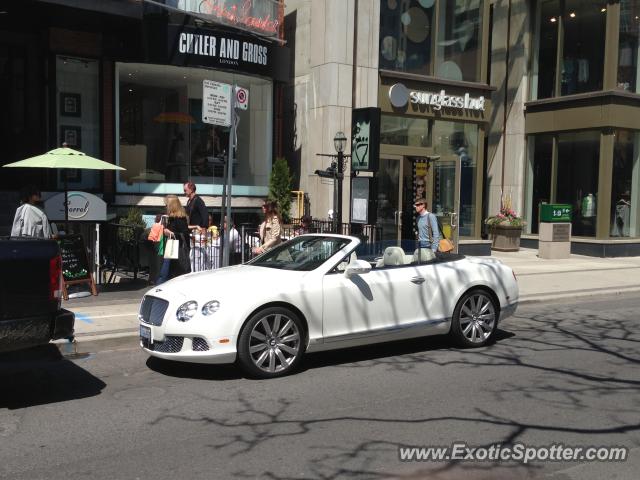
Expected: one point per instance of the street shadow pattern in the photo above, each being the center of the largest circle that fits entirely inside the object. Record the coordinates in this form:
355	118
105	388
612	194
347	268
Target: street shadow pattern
41	375
581	360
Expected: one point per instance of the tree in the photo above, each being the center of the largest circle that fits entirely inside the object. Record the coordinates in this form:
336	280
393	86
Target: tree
280	187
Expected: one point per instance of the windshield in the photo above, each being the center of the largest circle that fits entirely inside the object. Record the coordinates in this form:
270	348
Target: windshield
303	253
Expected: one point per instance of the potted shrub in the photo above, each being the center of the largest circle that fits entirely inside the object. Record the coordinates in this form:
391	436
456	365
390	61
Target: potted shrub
505	229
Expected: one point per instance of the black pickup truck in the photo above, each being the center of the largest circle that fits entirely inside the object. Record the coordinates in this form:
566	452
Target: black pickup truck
31	294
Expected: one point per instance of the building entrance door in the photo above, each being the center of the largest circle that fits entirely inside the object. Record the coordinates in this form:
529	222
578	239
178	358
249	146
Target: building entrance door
395	203
444	194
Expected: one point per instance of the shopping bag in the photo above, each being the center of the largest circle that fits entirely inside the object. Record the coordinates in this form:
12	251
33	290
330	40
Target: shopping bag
172	248
445	245
161	246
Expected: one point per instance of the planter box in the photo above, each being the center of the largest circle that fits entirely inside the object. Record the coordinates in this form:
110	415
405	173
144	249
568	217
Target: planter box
505	238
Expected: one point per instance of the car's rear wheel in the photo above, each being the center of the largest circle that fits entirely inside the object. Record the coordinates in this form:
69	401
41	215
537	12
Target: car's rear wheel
475	319
271	343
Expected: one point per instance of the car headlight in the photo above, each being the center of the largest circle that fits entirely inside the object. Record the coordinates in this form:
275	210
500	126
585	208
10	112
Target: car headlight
186	311
211	307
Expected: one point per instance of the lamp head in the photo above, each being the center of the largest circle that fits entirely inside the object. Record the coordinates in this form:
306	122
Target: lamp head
339	142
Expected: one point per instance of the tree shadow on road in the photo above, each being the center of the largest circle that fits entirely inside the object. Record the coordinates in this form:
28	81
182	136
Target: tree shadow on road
558	368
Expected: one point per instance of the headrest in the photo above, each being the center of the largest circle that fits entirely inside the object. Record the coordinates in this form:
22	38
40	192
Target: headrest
393	256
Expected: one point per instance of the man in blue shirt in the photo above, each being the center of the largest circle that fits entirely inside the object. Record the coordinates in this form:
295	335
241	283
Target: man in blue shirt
428	231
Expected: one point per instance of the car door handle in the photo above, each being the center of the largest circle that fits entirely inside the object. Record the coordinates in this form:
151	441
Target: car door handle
418	280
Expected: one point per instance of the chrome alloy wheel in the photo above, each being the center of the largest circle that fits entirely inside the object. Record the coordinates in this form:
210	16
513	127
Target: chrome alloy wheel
477	318
274	343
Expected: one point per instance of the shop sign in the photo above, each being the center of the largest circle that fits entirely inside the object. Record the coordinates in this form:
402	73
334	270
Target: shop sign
81	207
555	212
259	16
216	103
365	139
400	96
218	49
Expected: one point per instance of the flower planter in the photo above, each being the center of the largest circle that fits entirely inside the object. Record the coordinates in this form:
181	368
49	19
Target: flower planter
505	238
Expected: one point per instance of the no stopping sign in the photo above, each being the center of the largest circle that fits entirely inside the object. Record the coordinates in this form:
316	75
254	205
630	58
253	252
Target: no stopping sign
242	98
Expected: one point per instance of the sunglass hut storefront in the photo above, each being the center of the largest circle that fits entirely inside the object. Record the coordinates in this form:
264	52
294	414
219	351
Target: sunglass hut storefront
432	137
163	138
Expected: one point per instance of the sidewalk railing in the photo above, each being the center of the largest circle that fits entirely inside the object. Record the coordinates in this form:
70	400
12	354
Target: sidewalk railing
125	248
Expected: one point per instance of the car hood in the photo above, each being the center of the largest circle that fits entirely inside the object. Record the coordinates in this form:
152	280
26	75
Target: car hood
239	278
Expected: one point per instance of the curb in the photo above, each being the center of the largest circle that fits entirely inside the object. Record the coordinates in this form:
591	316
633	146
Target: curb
87	344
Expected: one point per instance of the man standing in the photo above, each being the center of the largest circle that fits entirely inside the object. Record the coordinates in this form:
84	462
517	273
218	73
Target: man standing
29	220
196	209
428	232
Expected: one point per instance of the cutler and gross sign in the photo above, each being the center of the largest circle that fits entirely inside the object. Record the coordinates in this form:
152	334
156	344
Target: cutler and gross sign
400	95
219	49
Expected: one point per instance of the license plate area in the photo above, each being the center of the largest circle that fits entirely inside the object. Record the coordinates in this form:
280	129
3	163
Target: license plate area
145	335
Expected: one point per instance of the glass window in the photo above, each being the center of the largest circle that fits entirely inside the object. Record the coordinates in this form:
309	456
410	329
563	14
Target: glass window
410	132
164	140
626	181
545	67
78	104
459	40
628	64
405	35
538	178
583	56
457	140
578	163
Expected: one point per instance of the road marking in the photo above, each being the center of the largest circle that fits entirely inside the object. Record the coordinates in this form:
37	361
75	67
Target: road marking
88	318
83	318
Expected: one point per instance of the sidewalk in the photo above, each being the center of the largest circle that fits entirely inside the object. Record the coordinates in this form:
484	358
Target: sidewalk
110	319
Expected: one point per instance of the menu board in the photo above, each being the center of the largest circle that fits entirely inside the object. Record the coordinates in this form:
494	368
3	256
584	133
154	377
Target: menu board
75	266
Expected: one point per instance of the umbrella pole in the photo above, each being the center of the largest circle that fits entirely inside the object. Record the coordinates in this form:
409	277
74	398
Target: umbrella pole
66	204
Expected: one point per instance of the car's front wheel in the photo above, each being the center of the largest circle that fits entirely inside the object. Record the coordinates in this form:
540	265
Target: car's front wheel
475	319
271	343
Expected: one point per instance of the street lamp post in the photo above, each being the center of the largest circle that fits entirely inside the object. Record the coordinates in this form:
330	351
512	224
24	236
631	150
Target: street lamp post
336	172
339	142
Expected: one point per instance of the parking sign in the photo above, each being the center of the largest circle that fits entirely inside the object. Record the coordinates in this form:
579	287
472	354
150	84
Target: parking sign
242	98
216	103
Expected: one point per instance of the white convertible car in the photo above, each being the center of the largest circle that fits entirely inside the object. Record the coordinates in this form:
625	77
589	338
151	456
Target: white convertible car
311	293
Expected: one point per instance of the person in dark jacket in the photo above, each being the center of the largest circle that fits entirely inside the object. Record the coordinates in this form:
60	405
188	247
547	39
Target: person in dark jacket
176	227
196	209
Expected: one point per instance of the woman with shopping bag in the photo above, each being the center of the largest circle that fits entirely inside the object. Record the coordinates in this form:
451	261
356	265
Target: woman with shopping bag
176	241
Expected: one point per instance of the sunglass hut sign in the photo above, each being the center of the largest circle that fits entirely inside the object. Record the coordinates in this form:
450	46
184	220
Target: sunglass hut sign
400	95
225	51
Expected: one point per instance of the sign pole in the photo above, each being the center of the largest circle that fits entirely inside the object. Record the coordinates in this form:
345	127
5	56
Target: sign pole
232	145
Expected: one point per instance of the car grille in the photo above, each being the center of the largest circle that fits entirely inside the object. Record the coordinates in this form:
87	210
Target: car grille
199	344
171	344
152	310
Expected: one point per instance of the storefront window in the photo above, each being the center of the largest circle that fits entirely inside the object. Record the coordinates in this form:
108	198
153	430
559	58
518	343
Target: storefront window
629	53
78	107
538	178
547	50
458	140
578	163
406	29
625	189
583	55
406	131
163	139
459	40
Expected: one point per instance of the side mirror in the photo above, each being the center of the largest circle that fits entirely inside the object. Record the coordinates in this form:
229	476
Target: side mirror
357	267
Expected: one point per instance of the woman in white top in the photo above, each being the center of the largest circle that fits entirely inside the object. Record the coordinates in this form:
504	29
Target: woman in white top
29	220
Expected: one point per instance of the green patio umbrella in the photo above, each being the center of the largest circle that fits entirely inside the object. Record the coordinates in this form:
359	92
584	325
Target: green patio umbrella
64	158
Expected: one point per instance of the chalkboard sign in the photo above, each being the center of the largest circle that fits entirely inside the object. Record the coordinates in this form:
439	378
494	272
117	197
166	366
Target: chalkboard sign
75	265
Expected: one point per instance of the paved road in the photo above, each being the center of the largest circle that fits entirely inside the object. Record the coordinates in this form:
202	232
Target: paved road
558	373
